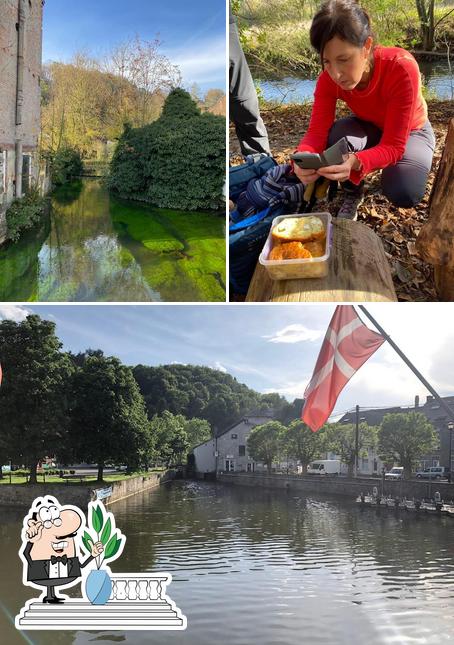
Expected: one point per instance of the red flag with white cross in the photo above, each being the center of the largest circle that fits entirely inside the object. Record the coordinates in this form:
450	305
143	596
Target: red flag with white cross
347	345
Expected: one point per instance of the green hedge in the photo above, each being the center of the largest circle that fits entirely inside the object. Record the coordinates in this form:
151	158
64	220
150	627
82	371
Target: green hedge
24	213
66	164
176	162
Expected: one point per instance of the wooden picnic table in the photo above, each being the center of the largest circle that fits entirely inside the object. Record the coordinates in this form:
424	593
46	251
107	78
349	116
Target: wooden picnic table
358	272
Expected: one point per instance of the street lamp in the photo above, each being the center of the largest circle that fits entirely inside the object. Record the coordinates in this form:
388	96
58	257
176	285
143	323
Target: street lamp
450	428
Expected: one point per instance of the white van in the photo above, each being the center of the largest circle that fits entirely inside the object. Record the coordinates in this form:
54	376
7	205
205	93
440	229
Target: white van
325	467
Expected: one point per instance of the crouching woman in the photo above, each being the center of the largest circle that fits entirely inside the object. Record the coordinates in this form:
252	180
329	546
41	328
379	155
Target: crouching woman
389	129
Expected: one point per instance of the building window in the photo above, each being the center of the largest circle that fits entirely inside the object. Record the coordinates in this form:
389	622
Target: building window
234	436
2	171
229	466
26	173
241	451
249	467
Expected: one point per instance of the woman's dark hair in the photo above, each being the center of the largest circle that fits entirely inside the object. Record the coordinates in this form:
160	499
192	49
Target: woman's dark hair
342	18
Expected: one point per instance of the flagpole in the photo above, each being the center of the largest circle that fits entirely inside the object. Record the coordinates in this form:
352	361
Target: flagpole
356	440
415	371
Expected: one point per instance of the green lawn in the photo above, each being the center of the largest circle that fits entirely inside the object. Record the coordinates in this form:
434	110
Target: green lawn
54	479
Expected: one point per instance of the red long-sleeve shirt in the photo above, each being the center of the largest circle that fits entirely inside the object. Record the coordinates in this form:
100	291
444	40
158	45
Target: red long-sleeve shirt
392	101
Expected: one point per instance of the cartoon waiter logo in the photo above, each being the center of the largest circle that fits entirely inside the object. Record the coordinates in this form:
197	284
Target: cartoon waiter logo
60	548
50	552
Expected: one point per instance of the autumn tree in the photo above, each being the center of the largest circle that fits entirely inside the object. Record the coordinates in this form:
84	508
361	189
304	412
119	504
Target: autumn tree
142	63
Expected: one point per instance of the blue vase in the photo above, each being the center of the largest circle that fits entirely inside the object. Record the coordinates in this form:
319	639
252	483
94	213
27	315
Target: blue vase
98	587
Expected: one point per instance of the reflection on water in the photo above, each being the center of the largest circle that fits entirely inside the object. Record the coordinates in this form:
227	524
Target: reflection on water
437	76
269	567
101	249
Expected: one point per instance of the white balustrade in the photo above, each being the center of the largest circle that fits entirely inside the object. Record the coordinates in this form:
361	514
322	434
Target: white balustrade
137	587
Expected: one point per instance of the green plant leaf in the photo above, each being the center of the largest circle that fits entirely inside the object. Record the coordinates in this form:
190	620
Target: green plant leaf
105	535
112	547
100	516
86	539
96	521
116	547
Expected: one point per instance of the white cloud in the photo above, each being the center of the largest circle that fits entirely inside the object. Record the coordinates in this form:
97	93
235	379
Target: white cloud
218	366
13	312
291	390
201	62
294	334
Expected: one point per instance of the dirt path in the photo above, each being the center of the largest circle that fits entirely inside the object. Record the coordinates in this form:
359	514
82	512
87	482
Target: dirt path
397	227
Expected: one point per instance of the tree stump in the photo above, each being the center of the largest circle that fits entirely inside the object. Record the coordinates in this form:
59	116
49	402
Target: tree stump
435	241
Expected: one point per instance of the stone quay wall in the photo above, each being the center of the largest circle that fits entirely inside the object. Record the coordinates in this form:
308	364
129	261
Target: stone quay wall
342	486
22	495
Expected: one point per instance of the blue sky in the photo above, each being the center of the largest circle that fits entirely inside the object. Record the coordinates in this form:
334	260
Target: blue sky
269	348
192	33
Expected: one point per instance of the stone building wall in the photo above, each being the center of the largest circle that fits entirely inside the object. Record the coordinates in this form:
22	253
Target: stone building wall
27	131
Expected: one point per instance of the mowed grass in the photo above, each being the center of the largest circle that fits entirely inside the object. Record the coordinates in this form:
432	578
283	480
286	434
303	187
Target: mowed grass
74	480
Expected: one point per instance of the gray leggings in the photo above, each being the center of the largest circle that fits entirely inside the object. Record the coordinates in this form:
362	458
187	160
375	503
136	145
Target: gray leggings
405	182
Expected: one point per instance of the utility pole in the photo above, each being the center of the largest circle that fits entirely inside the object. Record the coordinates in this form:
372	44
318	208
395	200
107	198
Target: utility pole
450	428
356	441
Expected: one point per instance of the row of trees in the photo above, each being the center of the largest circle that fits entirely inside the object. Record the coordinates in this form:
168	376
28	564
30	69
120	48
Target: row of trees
87	102
402	437
90	407
276	32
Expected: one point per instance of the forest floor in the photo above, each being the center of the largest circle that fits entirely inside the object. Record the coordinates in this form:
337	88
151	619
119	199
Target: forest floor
398	228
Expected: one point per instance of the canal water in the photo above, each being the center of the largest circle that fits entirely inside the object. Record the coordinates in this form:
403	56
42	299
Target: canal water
97	248
438	78
269	567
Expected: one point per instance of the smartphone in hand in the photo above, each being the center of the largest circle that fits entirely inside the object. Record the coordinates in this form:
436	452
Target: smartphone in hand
333	156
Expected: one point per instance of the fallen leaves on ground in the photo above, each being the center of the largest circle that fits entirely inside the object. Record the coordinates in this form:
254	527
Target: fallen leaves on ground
398	228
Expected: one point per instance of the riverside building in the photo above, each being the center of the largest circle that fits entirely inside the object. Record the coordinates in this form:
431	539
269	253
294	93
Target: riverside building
20	97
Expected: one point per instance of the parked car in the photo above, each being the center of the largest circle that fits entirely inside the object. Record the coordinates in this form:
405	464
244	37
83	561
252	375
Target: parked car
434	472
395	473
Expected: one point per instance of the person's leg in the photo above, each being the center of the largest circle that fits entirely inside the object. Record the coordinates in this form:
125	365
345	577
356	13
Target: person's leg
405	182
244	106
360	135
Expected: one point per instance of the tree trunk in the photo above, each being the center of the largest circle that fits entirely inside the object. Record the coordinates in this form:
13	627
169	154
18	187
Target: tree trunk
304	467
350	469
1	468
268	465
434	242
33	467
100	471
426	23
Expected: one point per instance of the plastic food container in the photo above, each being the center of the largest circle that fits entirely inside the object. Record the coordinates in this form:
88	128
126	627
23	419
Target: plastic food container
300	268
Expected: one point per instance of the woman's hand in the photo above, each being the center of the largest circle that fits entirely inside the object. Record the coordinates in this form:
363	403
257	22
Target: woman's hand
342	171
306	176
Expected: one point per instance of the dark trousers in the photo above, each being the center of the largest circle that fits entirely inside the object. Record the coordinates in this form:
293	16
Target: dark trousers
244	105
405	182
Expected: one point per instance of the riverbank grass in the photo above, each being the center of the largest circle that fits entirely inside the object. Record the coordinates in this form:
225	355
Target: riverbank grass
55	479
275	34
